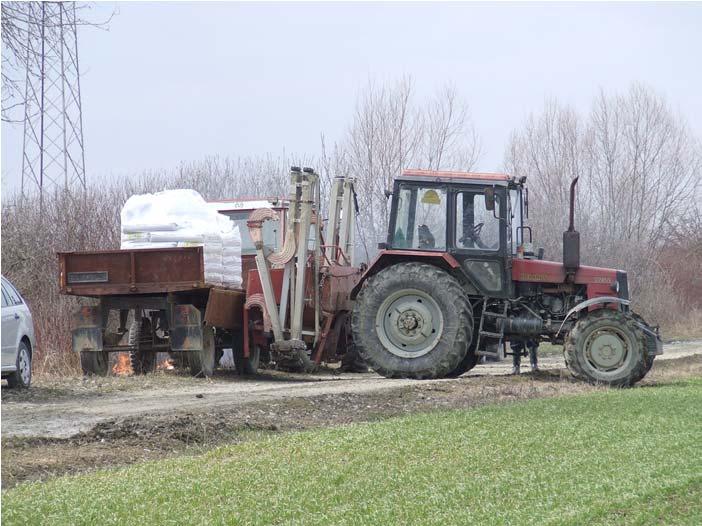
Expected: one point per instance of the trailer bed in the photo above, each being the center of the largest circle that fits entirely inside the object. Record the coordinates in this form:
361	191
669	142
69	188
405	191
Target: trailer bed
135	271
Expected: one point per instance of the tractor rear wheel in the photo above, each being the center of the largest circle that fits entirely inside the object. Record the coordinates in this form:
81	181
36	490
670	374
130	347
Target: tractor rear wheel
412	320
470	360
607	347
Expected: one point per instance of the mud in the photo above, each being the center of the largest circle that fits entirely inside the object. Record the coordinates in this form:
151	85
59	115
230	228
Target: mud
75	425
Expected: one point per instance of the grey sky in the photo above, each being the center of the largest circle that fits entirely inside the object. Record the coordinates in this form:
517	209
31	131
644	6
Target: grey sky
176	82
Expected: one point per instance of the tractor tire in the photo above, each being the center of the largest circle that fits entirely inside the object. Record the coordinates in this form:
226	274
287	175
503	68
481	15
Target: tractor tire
94	363
607	347
412	320
470	360
143	359
202	363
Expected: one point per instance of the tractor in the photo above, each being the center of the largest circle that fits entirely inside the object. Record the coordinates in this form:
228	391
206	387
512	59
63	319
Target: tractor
457	278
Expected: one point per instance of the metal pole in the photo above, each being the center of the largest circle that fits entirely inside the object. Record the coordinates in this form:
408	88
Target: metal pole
298	304
63	99
317	257
41	137
80	103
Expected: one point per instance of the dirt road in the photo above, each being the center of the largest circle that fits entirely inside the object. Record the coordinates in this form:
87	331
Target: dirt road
75	425
63	409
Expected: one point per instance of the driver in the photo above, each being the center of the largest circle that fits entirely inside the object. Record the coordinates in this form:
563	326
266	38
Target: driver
425	237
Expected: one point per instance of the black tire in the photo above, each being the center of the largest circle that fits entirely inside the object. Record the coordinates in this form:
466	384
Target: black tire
143	359
447	313
245	366
22	375
607	347
202	363
94	363
471	358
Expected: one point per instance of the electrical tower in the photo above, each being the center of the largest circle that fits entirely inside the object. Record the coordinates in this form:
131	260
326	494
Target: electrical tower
53	153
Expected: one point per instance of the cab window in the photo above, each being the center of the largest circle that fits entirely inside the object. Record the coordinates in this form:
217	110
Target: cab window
477	227
421	218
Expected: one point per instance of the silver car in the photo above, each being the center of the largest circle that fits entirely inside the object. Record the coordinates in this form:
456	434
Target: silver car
17	337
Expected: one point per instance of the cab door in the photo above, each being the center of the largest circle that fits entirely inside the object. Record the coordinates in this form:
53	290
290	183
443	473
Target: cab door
479	238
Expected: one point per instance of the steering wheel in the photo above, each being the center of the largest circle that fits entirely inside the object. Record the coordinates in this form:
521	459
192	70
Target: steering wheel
473	235
476	231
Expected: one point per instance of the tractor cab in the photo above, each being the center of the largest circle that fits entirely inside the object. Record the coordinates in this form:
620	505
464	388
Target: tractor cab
476	218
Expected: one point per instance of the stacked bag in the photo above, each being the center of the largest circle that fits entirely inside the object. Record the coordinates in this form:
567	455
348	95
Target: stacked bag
182	218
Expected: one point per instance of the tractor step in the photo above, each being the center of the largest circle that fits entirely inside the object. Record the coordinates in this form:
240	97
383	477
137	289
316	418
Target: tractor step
495	315
497	353
496	335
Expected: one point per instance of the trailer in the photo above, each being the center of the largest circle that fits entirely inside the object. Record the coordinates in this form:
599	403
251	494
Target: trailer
292	310
147	301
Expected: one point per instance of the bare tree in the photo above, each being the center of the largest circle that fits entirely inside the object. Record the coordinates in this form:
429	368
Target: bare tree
639	167
391	131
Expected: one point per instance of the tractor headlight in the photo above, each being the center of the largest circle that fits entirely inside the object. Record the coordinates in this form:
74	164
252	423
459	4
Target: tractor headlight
615	286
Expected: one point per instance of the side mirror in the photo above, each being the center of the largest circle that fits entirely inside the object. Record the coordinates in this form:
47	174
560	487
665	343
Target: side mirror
388	193
489	198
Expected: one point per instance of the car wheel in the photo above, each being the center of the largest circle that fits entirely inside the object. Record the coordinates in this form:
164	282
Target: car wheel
22	376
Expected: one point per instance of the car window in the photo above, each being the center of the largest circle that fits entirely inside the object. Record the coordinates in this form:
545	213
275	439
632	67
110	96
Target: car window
13	296
5	302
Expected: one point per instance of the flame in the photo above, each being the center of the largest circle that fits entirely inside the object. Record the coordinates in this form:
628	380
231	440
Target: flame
123	365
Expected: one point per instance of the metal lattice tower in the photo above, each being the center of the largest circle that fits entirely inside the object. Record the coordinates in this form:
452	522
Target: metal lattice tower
53	150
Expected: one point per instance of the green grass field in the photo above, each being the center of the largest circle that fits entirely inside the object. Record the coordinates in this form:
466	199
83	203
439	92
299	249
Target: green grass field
616	457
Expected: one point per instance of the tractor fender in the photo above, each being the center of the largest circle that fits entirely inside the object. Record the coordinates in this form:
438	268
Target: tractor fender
385	258
588	303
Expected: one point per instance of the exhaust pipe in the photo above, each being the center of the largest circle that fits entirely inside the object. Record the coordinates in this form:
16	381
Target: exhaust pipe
571	238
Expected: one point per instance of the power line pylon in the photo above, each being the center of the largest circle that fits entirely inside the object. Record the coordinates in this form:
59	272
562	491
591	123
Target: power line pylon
53	152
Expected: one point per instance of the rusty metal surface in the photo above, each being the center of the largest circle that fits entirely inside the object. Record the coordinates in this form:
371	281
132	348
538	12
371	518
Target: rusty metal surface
225	308
143	271
186	329
337	283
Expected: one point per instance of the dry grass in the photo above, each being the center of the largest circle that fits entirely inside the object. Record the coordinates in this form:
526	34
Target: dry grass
687	327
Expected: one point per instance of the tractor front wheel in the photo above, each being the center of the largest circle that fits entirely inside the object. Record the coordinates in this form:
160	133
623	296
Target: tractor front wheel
412	320
607	347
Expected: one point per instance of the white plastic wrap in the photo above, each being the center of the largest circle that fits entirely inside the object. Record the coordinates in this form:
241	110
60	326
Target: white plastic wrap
182	218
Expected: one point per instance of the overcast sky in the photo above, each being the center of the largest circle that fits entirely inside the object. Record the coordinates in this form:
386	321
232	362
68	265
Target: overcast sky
173	82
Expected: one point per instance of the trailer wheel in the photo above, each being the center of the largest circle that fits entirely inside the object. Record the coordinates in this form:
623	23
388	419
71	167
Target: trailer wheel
143	359
245	366
202	363
94	363
607	347
412	320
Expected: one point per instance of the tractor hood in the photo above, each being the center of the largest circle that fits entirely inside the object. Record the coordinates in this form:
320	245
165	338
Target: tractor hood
599	281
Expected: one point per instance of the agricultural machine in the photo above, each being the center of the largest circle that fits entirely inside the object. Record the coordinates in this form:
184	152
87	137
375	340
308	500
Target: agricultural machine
457	278
293	307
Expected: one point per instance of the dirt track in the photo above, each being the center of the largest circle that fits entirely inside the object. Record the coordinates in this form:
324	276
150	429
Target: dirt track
62	409
72	425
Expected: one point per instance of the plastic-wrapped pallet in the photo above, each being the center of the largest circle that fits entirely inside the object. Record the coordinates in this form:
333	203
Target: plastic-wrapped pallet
182	218
231	257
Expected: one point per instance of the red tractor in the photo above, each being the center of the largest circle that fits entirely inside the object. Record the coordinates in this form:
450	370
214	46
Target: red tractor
457	279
